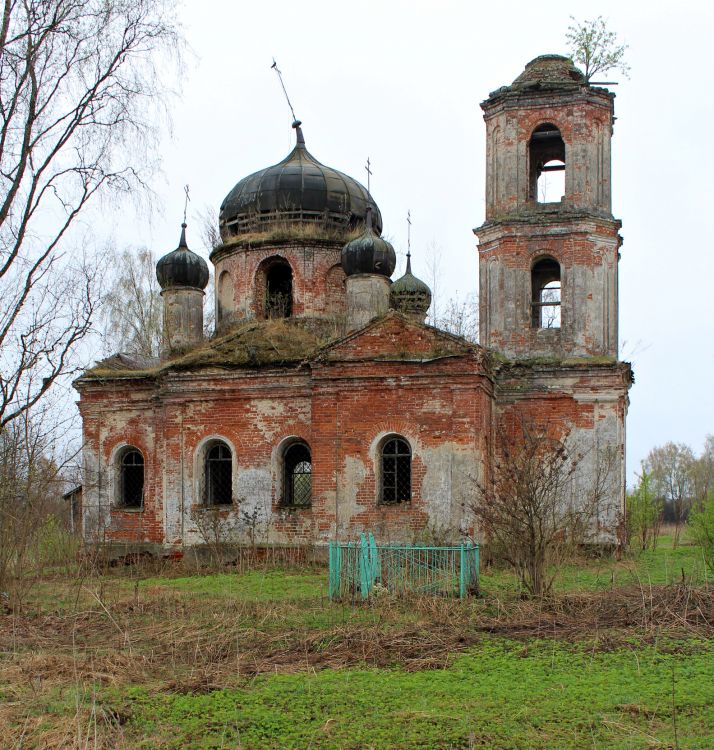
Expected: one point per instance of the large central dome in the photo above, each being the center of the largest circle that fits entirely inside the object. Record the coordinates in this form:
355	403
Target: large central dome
296	190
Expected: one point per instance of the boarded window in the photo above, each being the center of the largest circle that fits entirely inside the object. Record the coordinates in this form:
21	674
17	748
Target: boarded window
396	471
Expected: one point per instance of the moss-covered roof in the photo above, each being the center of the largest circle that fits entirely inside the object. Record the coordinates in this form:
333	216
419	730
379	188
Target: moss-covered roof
257	343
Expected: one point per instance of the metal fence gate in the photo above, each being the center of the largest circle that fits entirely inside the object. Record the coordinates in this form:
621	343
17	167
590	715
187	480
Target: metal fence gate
358	569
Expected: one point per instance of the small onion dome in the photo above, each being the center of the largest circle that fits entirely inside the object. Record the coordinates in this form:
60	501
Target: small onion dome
297	190
181	267
368	253
409	294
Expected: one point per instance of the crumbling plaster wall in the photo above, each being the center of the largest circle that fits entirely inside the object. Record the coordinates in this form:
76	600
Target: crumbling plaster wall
587	407
342	410
587	251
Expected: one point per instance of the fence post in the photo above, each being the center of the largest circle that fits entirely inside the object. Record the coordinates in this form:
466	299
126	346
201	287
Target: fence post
462	572
376	567
477	572
364	572
334	573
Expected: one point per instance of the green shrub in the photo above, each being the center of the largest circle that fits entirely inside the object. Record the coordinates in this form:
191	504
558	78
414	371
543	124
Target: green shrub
701	525
644	513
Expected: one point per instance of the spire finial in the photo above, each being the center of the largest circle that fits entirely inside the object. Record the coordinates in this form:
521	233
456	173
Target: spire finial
182	241
300	136
409	241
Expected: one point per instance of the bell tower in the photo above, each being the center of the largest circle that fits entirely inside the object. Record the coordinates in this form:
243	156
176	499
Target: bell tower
549	247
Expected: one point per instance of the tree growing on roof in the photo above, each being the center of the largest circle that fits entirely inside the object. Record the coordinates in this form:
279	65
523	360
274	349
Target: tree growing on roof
595	48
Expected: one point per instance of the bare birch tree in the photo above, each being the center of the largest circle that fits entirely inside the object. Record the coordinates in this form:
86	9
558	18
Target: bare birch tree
132	310
80	88
670	468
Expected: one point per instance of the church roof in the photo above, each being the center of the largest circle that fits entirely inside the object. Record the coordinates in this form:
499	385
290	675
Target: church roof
298	189
293	342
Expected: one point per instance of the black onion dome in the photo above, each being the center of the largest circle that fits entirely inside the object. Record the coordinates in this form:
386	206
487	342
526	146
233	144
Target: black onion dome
410	294
298	189
368	253
182	267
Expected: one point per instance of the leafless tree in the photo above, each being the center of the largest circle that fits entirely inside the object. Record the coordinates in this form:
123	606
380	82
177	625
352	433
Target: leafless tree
79	90
35	459
460	317
594	47
702	473
670	469
132	307
532	508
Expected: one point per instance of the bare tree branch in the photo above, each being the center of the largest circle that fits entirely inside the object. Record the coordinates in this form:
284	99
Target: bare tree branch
80	94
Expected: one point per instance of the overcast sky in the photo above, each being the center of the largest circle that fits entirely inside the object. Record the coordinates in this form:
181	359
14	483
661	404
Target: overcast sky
401	82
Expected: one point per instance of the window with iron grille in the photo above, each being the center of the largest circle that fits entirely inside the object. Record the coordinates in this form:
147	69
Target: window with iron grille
219	475
396	471
297	478
131	479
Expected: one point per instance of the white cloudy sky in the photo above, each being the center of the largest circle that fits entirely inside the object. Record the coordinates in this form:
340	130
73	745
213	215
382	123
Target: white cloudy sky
401	82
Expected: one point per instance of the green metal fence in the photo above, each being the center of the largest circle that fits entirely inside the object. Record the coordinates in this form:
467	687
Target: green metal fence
358	569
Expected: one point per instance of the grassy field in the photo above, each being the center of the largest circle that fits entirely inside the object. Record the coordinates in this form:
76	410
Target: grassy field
622	656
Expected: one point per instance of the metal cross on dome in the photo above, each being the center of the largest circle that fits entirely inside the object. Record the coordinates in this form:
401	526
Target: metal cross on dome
409	232
185	202
369	173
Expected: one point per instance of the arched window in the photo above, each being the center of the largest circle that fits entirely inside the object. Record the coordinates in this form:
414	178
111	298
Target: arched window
547	164
396	479
279	290
218	475
131	478
545	284
297	476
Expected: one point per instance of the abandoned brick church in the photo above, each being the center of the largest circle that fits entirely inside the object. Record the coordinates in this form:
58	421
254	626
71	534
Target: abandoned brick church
323	405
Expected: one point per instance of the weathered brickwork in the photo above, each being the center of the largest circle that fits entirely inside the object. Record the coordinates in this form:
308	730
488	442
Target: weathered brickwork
405	380
317	277
454	404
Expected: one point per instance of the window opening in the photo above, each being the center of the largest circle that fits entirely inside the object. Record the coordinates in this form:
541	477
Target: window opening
545	305
396	471
279	291
297	484
547	164
219	475
132	479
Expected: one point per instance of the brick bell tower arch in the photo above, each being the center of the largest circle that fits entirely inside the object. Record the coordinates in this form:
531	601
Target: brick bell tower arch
549	247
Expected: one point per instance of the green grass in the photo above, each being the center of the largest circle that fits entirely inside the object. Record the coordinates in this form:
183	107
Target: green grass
661	566
159	653
254	586
500	695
